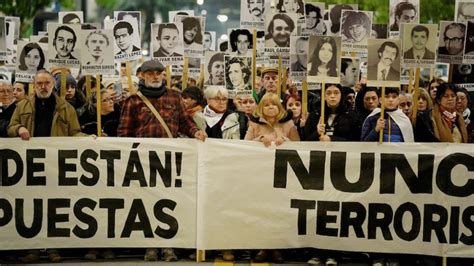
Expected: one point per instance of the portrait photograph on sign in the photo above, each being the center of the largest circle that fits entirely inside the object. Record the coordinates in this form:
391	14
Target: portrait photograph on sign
241	41
5	74
314	17
71	17
452	36
214	69
129	15
97	52
209	42
334	13
356	27
279	28
324	59
463	74
383	63
419	42
252	13
31	58
63	44
350	71
3	39
167	43
469	44
464	11
292	6
193	32
403	11
238	75
127	39
299	57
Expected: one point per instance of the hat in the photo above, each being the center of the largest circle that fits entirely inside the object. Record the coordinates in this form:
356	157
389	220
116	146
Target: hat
152	65
269	69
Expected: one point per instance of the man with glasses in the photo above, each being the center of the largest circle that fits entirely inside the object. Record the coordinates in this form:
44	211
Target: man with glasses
453	37
137	120
7	106
45	114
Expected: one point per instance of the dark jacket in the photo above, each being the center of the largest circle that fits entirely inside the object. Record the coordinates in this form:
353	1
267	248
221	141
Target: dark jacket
109	122
6	114
347	125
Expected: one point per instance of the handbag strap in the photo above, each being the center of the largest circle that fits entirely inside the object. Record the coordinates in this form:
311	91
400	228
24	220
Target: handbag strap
155	112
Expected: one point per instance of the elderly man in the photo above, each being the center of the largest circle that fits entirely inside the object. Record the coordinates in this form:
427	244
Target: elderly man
44	114
453	37
137	120
269	81
279	31
419	39
7	106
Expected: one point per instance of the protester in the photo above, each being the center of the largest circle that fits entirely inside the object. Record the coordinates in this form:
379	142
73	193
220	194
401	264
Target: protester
424	101
405	103
7	106
221	122
20	90
366	101
193	101
294	103
110	115
395	124
74	96
463	102
340	124
444	123
432	87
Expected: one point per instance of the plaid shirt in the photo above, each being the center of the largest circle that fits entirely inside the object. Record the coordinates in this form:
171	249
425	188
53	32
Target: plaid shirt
137	120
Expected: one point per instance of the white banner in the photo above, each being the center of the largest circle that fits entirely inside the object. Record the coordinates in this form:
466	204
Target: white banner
393	198
108	192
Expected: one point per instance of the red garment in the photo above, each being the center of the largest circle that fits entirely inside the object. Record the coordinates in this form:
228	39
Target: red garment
137	120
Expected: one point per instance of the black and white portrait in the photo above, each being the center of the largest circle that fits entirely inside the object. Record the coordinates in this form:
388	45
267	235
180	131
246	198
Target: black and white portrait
238	75
241	41
379	31
464	10
10	58
214	69
299	56
279	28
129	16
166	40
63	47
469	44
356	26
334	17
252	13
68	17
324	59
97	52
350	71
452	36
193	34
173	16
419	43
292	6
384	62
209	41
3	39
314	14
31	57
403	11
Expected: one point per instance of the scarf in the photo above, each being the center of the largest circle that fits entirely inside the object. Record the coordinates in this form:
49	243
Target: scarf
194	110
466	114
211	117
449	116
402	121
151	92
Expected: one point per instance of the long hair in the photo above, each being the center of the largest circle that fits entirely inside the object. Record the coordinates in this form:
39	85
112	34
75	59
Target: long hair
28	47
243	67
273	98
189	23
316	61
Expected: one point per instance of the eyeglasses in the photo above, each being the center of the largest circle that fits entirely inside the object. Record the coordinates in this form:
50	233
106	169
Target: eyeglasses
6	91
455	39
217	99
107	100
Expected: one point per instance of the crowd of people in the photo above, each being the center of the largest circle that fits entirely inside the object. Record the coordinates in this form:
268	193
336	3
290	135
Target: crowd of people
152	110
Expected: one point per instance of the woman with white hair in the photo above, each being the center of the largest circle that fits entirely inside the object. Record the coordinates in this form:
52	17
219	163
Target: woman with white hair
221	123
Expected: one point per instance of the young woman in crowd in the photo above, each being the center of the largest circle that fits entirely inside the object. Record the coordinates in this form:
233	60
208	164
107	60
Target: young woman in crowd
463	103
444	123
294	103
340	124
20	90
193	101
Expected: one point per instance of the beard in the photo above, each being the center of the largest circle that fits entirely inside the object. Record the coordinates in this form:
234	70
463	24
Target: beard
43	95
153	84
281	40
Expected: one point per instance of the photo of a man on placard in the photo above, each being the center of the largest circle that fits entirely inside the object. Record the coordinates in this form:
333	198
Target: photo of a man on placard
168	39
355	27
279	31
403	12
299	55
241	41
71	17
209	41
419	37
465	11
123	31
314	19
452	37
64	42
255	9
385	67
97	43
215	69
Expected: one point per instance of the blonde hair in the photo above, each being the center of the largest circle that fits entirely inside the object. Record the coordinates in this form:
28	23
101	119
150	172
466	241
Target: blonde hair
425	96
273	98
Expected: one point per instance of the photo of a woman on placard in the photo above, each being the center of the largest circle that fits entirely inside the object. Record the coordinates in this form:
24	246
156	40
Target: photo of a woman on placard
324	58
31	58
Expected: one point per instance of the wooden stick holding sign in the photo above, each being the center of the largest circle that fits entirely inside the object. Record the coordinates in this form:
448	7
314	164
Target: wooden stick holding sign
184	78
431	72
382	113
254	60
279	77
323	100
410	80
31	89
200	82
131	88
304	108
168	76
99	106
88	86
63	83
416	94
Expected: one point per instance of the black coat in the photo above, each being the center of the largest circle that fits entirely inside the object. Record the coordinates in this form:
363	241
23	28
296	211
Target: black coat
88	122
5	117
347	125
